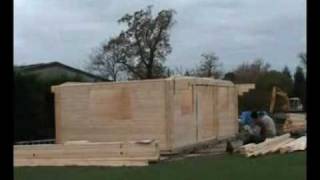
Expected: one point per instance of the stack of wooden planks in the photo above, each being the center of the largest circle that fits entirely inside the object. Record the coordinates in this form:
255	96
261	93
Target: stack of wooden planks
297	145
282	144
82	153
294	122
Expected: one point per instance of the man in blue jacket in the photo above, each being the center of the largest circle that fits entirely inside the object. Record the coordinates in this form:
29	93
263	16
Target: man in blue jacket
257	126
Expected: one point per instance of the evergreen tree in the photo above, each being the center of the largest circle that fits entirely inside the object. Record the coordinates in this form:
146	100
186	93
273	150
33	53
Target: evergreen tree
287	72
299	87
229	76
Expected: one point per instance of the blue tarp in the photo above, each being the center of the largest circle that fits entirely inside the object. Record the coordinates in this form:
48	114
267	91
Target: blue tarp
245	117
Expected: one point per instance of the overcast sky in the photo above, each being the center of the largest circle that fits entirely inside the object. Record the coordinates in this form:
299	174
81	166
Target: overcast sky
237	31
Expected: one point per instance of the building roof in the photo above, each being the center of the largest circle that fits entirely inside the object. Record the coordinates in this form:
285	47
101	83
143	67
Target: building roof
33	67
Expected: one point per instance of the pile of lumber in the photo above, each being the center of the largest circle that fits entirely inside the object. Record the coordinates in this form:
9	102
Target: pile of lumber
282	144
297	145
83	153
294	122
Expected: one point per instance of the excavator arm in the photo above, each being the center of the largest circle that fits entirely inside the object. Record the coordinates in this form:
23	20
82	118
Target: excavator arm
278	92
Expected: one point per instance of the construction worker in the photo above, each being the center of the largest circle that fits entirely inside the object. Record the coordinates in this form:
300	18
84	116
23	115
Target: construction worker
266	124
261	127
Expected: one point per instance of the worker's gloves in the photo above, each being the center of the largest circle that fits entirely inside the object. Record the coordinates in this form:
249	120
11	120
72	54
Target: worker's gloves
248	128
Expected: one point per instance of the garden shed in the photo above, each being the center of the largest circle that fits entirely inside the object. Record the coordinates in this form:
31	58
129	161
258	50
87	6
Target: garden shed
177	111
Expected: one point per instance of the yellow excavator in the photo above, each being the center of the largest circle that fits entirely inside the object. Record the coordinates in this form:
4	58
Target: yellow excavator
292	104
291	111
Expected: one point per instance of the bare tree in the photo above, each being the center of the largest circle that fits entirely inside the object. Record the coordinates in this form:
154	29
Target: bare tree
146	42
178	71
140	50
181	71
209	66
303	59
106	60
249	72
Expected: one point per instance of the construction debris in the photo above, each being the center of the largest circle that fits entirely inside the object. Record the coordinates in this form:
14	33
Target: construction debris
283	143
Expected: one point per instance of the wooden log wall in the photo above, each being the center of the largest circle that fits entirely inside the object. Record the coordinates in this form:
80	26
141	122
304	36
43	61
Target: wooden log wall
84	154
204	110
177	112
107	112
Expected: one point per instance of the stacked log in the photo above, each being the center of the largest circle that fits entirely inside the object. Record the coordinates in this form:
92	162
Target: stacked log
247	148
294	122
297	145
83	153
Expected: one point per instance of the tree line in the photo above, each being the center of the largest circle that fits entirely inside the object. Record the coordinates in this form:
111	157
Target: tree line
260	73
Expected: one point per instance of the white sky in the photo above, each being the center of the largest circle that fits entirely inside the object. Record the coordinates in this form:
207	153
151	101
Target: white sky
237	31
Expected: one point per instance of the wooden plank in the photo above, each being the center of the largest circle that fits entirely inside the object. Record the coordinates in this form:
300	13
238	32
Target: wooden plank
270	145
58	119
257	149
215	111
275	146
205	113
184	120
295	122
123	153
278	146
245	148
76	142
78	162
226	117
243	88
168	94
282	143
296	145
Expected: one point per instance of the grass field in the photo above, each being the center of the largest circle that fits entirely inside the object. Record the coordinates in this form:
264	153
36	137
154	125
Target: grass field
228	167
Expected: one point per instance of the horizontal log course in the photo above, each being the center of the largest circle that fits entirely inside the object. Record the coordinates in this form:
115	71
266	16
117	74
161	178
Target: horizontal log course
294	122
85	153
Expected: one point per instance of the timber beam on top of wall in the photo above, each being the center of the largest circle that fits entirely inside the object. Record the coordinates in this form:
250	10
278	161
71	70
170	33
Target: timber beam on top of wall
244	88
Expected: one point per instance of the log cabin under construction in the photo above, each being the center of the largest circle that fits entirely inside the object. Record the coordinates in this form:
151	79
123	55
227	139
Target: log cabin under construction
177	111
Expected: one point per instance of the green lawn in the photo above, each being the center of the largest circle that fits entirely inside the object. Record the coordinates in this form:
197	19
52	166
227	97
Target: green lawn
229	167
